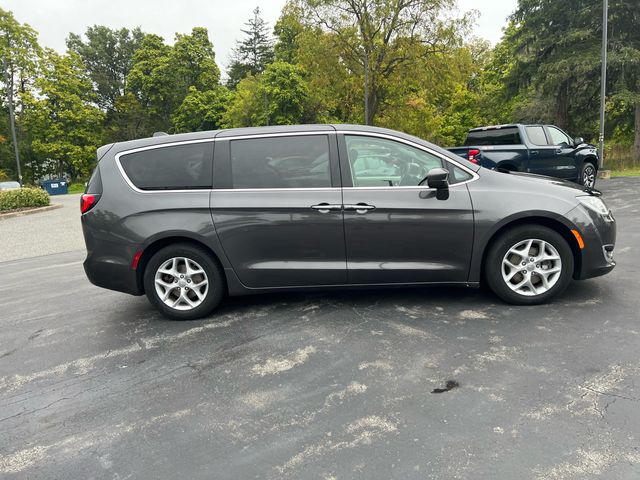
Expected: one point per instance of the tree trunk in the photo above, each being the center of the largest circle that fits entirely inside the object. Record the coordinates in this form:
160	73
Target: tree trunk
636	143
562	107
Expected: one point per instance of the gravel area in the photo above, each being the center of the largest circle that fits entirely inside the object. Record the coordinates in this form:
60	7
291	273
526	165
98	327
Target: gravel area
43	233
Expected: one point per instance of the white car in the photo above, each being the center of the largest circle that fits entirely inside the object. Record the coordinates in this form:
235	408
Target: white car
9	186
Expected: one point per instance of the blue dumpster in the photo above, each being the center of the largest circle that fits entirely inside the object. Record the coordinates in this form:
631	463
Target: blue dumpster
55	187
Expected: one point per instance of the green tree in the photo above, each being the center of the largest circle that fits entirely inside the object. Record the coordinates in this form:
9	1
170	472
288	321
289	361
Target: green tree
107	55
202	110
62	117
378	38
624	69
19	52
161	76
149	81
278	96
253	53
288	31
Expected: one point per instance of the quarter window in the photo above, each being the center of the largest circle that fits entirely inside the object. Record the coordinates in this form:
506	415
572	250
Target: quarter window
378	162
281	162
536	135
179	167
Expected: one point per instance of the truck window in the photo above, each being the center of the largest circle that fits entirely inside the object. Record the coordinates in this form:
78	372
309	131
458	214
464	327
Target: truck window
558	137
536	135
494	136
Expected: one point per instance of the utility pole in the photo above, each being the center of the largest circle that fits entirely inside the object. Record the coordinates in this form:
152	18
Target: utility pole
366	87
603	86
8	79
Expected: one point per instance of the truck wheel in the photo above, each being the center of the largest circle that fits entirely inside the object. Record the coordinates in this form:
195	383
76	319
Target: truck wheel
184	282
588	175
529	265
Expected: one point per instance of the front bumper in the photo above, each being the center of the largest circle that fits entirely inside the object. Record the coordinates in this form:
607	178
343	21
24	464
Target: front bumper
599	236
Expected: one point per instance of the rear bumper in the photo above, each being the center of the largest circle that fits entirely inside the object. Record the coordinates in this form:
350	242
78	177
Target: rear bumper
108	263
108	274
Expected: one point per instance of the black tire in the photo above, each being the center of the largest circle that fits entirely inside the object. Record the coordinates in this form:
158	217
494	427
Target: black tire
215	277
588	174
493	267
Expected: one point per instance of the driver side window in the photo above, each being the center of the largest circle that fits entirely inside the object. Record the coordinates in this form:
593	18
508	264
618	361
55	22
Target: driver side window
558	137
378	162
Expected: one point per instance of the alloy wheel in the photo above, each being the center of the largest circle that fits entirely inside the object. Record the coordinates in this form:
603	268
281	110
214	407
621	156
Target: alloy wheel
589	176
181	283
531	267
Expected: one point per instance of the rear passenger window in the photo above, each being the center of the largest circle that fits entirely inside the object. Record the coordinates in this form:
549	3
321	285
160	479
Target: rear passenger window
536	135
494	136
180	167
281	162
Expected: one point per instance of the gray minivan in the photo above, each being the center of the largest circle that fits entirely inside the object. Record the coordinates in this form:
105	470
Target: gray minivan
190	218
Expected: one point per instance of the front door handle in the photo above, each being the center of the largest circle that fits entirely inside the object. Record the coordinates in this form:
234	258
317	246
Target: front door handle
360	208
558	151
326	207
533	152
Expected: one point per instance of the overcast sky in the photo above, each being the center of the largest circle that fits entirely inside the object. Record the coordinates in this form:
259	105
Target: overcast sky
54	19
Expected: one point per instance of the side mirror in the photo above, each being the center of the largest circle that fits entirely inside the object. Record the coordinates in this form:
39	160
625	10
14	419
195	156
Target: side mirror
578	141
438	178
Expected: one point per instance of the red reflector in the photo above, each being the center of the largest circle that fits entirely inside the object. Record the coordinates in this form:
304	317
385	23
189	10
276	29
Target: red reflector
136	259
88	201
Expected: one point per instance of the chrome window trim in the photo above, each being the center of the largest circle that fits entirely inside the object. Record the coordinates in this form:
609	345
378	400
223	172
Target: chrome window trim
128	181
299	189
279	134
153	147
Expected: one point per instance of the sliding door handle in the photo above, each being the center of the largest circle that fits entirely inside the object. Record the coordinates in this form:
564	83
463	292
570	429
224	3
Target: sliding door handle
360	208
326	207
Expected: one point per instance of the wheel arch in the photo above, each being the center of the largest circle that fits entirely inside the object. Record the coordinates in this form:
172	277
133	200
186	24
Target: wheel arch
560	227
158	243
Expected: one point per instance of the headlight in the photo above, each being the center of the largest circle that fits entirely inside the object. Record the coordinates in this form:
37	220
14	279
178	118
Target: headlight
595	204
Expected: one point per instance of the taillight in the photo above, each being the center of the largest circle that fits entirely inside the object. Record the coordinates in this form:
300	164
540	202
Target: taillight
88	201
473	153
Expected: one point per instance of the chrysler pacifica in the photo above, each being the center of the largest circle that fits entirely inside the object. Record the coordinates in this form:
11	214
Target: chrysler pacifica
187	219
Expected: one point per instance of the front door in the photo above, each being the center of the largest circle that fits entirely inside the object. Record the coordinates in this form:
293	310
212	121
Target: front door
277	209
395	230
565	158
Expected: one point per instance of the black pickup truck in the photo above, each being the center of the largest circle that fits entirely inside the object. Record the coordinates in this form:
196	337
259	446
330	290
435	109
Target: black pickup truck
539	149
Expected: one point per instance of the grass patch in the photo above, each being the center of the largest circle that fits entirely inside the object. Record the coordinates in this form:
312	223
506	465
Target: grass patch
23	198
76	188
627	172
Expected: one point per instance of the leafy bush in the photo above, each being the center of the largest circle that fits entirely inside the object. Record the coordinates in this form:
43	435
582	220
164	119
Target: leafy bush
76	187
22	198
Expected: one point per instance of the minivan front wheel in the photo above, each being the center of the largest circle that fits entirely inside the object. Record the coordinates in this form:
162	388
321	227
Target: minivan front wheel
183	282
529	265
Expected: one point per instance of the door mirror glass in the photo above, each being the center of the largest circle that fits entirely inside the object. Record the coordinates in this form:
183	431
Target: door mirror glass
438	178
578	141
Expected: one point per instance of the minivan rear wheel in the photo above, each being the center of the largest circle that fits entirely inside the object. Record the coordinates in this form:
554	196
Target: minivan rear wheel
184	282
529	265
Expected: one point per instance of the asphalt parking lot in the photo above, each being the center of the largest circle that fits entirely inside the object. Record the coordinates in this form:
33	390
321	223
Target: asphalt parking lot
95	384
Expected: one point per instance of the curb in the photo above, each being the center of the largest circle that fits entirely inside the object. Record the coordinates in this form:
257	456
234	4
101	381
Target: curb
30	211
